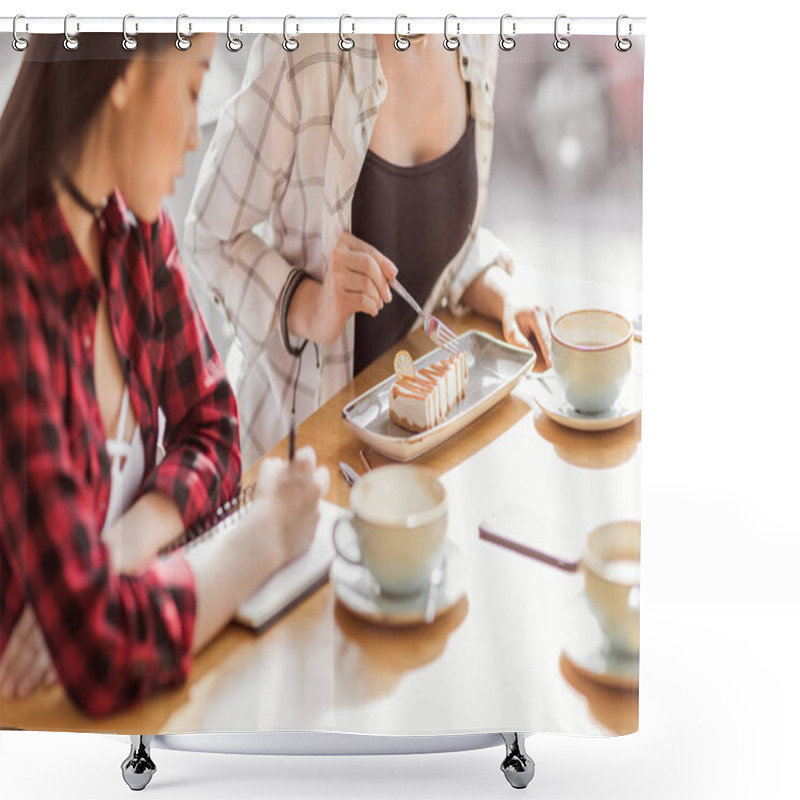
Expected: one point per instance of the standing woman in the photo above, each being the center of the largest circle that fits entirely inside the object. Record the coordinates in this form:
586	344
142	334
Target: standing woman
98	333
329	174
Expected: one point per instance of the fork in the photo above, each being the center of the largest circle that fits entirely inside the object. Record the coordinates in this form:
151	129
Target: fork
435	329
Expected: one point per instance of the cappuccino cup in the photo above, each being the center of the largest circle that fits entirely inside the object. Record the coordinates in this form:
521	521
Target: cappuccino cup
398	524
611	568
592	355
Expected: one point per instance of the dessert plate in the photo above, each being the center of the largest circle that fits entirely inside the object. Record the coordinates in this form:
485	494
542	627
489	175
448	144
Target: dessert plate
358	592
588	651
493	369
548	393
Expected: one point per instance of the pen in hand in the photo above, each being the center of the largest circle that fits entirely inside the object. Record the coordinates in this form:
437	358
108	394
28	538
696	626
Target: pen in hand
291	440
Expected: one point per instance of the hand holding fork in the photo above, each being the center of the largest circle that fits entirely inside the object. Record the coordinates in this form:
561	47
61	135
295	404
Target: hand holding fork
358	279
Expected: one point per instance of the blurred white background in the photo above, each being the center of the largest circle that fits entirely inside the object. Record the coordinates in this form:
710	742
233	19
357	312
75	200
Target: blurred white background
720	698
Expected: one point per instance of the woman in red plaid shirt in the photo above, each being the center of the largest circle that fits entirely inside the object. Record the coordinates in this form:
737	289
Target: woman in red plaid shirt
98	332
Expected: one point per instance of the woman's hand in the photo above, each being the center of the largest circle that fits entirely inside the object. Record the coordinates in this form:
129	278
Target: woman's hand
26	664
527	326
357	280
493	295
291	491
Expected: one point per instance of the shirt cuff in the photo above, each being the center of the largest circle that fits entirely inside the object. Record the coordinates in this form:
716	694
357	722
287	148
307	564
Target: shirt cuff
176	576
185	483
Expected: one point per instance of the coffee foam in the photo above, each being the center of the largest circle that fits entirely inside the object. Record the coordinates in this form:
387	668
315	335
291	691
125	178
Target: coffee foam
591	329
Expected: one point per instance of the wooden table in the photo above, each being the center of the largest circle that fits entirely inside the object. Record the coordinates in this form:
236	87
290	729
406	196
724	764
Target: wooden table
493	663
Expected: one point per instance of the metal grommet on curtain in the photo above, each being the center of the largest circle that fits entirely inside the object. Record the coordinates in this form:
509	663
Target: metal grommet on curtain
451	42
18	43
128	42
560	43
400	42
181	42
345	42
507	42
70	42
623	45
233	44
290	44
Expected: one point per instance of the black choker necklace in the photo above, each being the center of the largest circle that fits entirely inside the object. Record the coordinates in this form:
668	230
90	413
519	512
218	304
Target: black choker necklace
80	198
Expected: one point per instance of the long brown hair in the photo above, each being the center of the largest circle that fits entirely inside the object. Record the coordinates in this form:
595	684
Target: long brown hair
54	99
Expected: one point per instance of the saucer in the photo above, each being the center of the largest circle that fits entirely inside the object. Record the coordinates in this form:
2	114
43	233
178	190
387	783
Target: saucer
588	651
358	592
548	392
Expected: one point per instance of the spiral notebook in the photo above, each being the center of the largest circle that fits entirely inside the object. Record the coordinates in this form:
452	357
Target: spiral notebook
290	585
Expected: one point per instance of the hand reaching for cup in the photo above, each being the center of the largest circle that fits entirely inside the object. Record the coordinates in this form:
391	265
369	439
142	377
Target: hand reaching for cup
528	326
291	491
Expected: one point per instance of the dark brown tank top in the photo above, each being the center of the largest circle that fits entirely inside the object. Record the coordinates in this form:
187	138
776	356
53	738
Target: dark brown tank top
418	217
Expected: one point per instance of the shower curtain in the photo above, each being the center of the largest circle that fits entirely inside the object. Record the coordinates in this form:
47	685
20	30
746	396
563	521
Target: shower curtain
200	250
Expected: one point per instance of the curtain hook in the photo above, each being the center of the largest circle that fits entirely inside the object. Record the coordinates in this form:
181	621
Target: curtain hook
128	42
561	43
233	44
507	42
623	45
18	43
290	44
182	43
400	42
451	42
70	42
345	42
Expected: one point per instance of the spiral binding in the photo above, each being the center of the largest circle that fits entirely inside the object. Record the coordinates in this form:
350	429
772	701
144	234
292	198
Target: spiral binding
183	40
224	518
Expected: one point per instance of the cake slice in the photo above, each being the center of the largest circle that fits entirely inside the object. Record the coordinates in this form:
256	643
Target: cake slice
420	399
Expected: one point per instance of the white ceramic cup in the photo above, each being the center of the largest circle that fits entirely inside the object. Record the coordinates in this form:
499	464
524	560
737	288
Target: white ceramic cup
593	355
611	567
399	515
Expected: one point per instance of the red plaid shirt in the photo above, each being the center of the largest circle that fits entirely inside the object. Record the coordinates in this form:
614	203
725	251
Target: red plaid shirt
113	638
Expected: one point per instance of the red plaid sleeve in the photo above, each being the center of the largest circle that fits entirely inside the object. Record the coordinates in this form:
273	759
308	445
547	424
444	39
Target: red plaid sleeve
202	466
113	639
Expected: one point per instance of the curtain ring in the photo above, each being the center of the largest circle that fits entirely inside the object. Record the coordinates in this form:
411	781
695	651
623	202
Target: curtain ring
128	42
70	42
451	42
345	42
290	44
623	45
507	42
18	43
182	43
560	43
233	44
400	42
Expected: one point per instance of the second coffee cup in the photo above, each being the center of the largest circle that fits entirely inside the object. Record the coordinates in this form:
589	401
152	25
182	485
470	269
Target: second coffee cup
593	355
399	516
611	566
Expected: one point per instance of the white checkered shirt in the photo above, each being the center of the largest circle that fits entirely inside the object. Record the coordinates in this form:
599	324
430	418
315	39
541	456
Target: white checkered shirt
275	192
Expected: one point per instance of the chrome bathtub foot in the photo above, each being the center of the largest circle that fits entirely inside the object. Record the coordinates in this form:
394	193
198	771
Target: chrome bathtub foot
517	766
138	768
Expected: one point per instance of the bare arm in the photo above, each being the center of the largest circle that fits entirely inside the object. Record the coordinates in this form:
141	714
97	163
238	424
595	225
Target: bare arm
279	528
225	578
150	523
486	294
